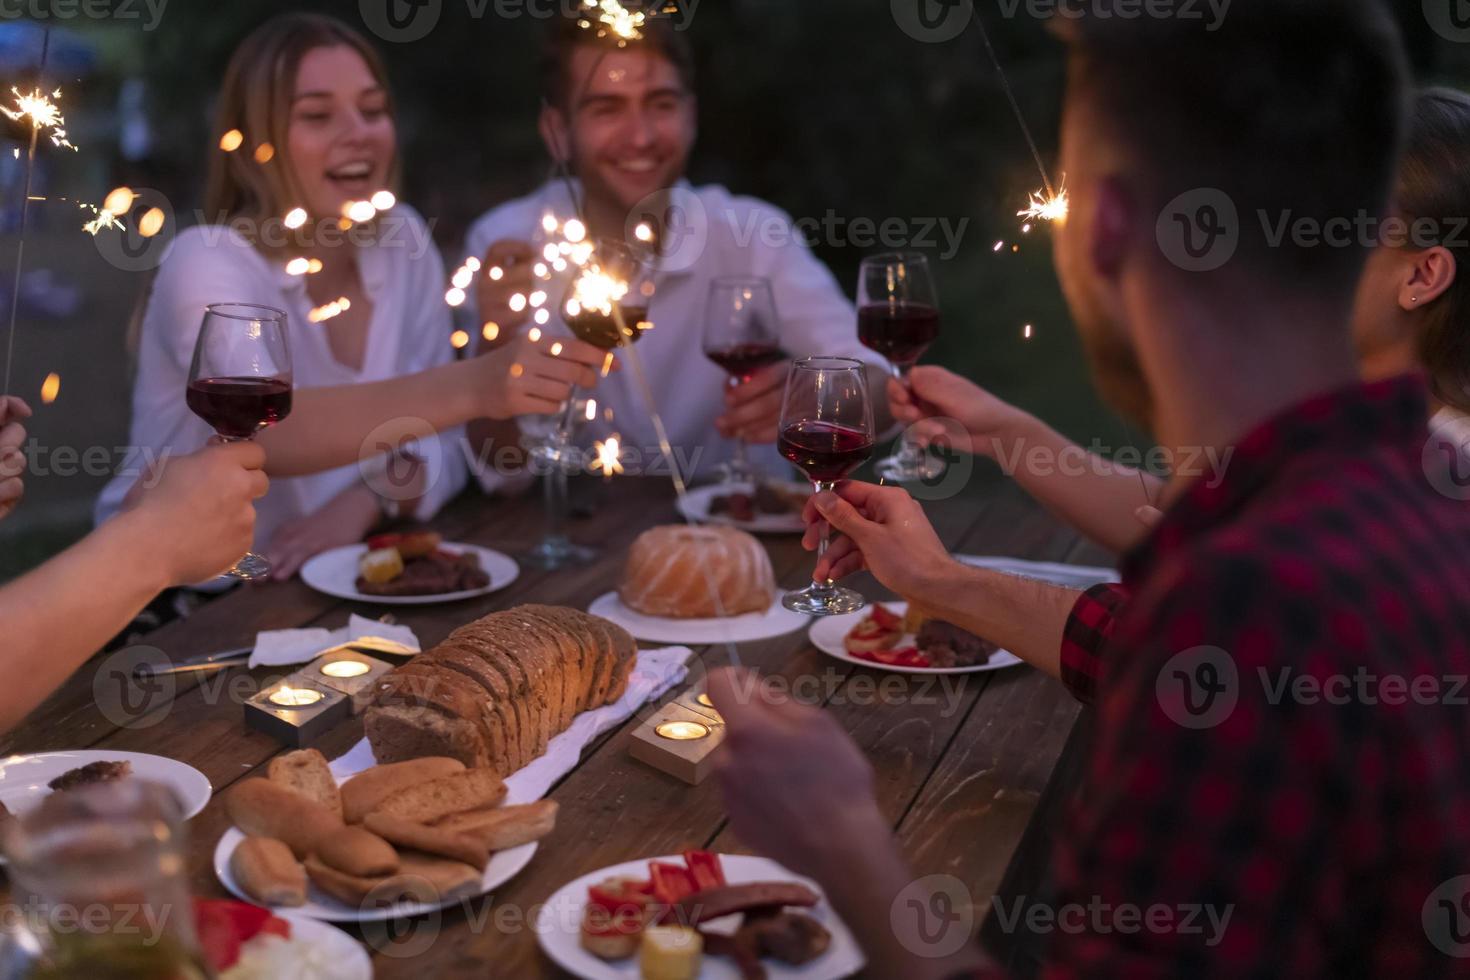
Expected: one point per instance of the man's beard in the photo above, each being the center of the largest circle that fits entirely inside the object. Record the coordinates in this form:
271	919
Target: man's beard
1115	367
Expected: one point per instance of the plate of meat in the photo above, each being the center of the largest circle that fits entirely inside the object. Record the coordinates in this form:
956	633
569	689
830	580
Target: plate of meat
698	915
772	507
888	636
409	569
27	779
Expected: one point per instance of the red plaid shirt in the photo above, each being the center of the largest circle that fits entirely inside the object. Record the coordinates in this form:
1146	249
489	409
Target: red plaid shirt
1284	718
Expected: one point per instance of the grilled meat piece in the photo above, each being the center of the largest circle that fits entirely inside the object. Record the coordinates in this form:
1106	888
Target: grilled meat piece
92	772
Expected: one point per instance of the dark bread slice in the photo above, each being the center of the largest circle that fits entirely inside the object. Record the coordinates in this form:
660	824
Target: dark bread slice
503	644
398	733
494	699
581	654
480	639
600	641
625	656
469	659
566	663
530	654
423	685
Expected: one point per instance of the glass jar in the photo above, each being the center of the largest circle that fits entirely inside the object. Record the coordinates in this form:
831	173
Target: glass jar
98	874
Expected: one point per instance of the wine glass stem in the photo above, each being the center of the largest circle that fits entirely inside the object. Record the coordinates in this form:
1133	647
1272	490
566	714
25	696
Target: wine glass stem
826	538
556	502
908	450
568	420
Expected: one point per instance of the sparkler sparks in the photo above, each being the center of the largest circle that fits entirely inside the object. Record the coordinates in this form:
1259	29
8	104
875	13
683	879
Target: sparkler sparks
325	312
1047	205
609	457
50	388
610	17
43	114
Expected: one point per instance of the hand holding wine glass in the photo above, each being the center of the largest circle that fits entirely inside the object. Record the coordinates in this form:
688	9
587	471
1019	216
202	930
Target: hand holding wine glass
827	432
240	382
742	335
898	317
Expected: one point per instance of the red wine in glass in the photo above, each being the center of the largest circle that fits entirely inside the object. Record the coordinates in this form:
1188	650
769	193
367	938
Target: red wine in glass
742	361
237	408
240	382
825	451
900	331
826	429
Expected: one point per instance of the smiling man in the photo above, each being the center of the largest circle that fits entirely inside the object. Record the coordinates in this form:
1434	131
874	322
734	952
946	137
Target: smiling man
624	120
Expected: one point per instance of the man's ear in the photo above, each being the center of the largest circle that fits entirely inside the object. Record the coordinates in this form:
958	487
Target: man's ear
555	133
1432	272
1111	228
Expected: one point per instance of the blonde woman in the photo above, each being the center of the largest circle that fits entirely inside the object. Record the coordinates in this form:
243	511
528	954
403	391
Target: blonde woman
306	128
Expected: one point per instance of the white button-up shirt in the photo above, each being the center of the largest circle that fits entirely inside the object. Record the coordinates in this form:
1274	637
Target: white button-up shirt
402	273
713	234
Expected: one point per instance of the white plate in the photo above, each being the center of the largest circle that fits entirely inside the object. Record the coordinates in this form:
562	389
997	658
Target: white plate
503	866
696	503
559	927
23	778
348	958
775	621
828	634
335	573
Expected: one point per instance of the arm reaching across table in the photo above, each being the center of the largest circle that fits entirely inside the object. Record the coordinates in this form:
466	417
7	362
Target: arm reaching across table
1097	496
192	519
328	427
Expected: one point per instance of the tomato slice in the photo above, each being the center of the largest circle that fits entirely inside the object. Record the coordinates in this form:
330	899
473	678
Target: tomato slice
672	883
380	541
219	940
885	620
705	868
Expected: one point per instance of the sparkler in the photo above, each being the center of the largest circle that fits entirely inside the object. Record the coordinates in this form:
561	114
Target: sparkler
42	114
609	460
1047	205
328	310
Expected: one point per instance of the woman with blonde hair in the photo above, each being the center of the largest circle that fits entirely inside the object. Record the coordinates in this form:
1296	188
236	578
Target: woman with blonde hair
301	216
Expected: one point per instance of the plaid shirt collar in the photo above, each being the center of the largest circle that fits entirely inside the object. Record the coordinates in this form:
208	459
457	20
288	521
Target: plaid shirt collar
1391	412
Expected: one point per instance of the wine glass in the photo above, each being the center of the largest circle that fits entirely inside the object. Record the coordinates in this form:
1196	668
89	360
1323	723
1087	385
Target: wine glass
827	432
741	335
898	316
240	382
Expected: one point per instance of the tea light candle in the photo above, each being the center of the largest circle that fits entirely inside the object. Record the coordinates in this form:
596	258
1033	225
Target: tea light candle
682	731
295	697
703	699
345	668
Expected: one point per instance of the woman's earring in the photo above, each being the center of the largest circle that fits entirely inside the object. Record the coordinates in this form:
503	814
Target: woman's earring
1414	299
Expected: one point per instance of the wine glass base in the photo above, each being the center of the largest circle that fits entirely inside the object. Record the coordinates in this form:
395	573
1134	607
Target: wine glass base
732	474
250	568
554	553
824	600
896	469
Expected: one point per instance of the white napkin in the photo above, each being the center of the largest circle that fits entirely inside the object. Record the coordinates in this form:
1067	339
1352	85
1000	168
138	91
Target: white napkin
1069	576
654	673
285	648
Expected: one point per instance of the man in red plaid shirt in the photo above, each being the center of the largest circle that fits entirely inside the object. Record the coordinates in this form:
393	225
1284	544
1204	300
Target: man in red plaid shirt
1283	734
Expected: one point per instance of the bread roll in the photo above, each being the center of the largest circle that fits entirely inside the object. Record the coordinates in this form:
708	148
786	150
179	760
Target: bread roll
505	827
429	879
268	872
427	802
359	852
360	893
261	808
671	571
362	793
431	840
306	772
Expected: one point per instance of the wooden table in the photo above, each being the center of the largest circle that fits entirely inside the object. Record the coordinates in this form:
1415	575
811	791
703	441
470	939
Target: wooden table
960	768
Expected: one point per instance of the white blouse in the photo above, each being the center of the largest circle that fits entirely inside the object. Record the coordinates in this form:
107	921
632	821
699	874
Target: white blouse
402	273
